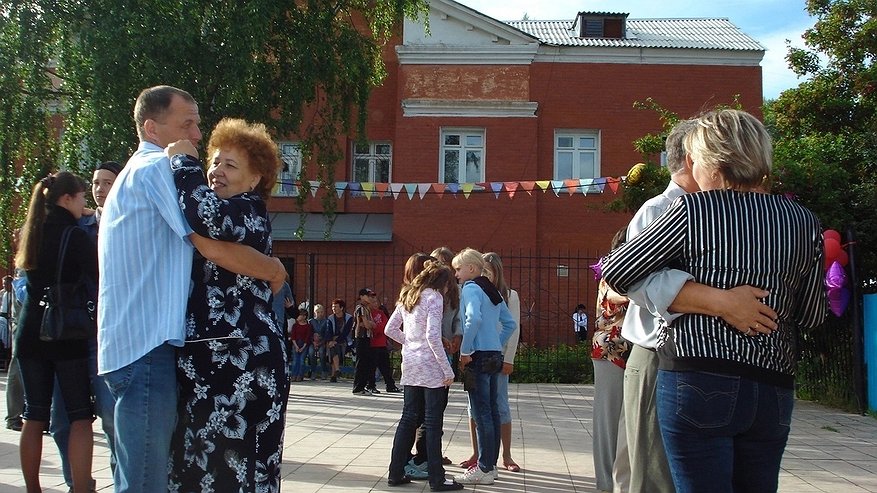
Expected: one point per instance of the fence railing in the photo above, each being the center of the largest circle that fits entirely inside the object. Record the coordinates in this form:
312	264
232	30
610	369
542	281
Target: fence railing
550	286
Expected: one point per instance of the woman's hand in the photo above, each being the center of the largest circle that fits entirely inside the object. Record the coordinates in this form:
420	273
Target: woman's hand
465	360
447	345
507	368
181	147
448	382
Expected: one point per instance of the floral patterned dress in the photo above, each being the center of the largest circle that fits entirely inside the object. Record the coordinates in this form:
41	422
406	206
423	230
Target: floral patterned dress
232	372
607	342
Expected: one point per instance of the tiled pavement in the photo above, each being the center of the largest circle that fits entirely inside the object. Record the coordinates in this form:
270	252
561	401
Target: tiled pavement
336	441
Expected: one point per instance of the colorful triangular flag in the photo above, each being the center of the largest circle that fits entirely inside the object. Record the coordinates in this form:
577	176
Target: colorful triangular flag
410	188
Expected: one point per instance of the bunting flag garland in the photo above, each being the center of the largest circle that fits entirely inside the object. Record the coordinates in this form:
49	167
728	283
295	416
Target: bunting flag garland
410	188
396	188
381	190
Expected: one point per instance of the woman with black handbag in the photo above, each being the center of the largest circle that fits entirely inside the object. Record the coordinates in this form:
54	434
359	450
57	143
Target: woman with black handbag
55	253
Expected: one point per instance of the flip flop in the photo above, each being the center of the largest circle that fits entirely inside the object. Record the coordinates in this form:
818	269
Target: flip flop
511	466
468	463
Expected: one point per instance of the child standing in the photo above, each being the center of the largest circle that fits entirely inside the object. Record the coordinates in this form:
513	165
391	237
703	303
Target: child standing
426	372
300	336
482	309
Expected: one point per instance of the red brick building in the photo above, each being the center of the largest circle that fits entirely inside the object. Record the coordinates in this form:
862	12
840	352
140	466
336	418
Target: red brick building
505	104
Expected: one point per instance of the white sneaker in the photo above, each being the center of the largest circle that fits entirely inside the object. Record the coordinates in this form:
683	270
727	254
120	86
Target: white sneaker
475	476
495	473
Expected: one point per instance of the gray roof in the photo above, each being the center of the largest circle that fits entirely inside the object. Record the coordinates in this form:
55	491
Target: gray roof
708	34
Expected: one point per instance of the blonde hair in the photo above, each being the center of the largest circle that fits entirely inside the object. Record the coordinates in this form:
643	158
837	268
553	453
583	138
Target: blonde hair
494	264
435	275
469	256
444	254
734	144
319	307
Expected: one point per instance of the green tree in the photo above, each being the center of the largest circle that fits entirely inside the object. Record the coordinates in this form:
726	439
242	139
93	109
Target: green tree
304	68
825	130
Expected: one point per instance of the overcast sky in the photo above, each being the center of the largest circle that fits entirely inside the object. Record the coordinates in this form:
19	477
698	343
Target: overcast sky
770	22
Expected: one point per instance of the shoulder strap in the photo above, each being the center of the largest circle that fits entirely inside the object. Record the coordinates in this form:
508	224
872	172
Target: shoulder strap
62	251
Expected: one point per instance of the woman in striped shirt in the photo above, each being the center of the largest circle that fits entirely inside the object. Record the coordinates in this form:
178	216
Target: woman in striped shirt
725	396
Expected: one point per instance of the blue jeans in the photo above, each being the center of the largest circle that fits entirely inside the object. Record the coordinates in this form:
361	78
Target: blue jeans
298	362
486	366
722	433
59	425
426	405
502	400
145	394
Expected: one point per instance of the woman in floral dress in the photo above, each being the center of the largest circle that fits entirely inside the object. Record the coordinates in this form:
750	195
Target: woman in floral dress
609	353
232	371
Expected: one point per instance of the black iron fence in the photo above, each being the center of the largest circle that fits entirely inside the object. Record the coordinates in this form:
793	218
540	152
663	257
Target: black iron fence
550	286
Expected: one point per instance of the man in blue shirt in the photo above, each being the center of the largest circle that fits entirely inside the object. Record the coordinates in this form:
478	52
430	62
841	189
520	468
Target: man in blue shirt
145	250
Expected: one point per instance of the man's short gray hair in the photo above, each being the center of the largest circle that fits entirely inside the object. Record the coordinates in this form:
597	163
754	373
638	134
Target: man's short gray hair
675	145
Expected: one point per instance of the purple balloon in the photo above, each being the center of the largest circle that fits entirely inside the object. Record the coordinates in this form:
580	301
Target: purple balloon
838	299
836	276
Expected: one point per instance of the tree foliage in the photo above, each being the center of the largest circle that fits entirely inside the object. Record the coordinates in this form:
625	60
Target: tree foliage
304	68
825	130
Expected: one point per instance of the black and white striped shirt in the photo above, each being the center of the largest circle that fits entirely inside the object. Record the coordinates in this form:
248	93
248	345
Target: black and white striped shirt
725	239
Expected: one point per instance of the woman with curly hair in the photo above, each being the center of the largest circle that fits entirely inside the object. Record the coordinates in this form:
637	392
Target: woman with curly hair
232	371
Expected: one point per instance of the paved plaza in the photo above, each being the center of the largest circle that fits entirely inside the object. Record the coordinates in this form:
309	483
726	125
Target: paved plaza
336	441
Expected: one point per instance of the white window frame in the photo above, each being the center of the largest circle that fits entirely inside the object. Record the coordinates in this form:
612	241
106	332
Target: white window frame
463	149
575	150
374	158
290	168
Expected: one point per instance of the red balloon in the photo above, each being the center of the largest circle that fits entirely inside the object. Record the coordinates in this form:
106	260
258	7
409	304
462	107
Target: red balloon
832	248
843	258
830	233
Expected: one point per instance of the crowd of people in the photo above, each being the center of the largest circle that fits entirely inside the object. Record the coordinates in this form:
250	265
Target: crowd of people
194	349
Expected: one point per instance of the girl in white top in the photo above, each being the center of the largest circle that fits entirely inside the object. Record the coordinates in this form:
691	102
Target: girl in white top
426	372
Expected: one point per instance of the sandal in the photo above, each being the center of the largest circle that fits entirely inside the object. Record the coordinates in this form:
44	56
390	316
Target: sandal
510	465
468	463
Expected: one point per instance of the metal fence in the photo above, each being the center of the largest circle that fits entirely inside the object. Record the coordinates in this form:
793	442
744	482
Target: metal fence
550	286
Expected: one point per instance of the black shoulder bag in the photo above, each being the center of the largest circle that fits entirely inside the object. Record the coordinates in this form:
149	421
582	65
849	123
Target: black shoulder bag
69	309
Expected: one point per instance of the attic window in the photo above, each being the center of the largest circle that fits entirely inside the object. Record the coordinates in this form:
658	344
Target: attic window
592	28
602	25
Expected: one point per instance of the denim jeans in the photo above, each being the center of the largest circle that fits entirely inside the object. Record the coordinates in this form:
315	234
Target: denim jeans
723	433
298	360
421	404
145	394
486	366
59	425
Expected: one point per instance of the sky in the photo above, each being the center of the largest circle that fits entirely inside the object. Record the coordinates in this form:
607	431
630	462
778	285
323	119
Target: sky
770	22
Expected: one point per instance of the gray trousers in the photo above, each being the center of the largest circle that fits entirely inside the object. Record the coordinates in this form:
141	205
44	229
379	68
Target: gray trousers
608	402
14	393
649	470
